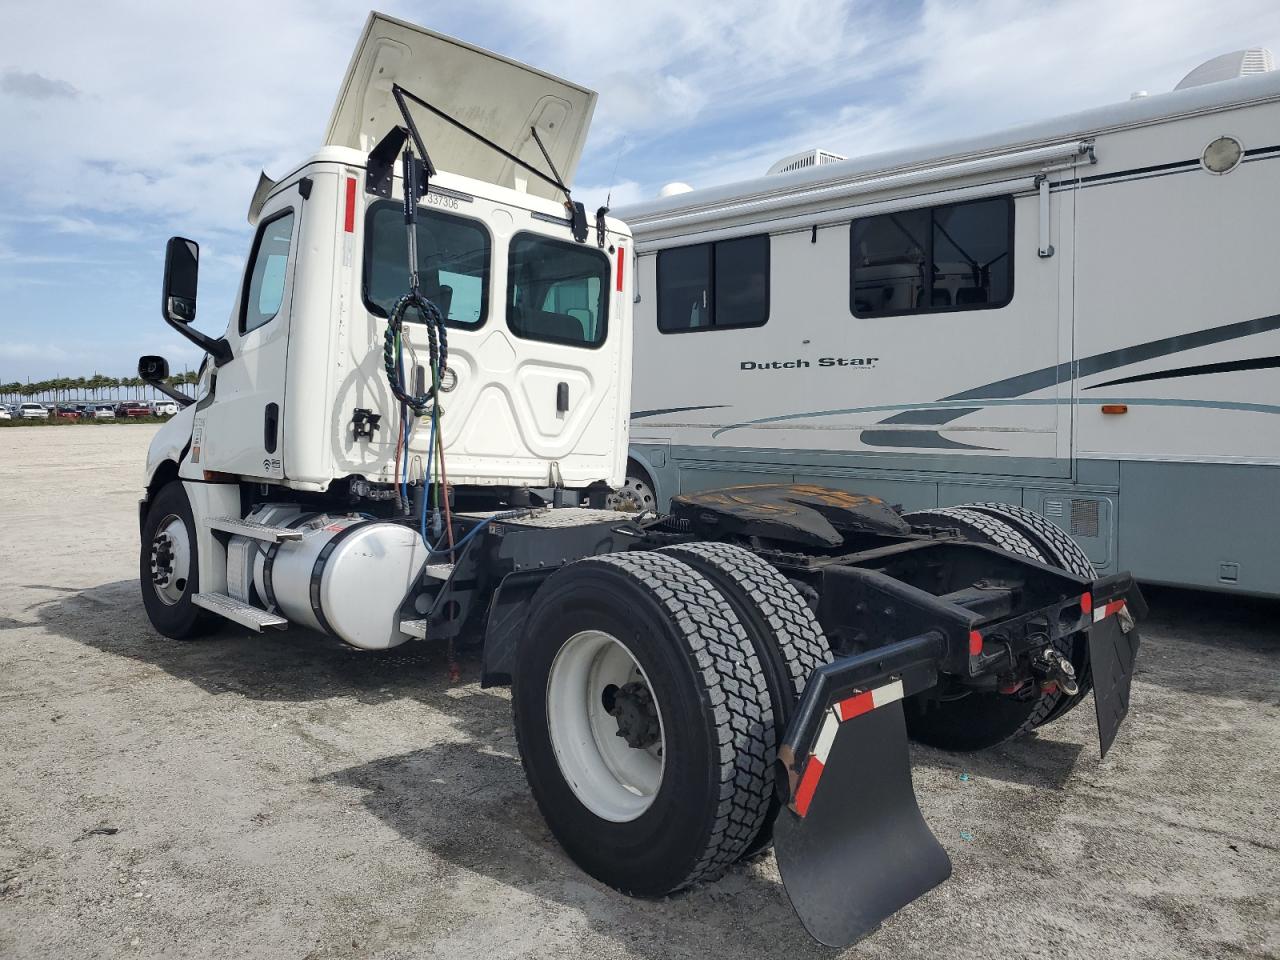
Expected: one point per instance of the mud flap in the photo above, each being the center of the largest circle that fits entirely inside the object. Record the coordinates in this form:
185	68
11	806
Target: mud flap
852	847
1112	654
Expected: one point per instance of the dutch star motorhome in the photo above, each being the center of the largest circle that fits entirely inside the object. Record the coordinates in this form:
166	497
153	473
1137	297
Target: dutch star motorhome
1081	316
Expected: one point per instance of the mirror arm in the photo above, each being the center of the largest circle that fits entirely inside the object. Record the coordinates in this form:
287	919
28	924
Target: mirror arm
184	401
219	349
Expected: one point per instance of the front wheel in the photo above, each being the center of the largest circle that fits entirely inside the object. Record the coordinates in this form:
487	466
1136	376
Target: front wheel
645	728
169	567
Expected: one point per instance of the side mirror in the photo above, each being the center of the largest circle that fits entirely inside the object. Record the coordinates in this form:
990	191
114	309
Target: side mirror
181	272
154	371
153	368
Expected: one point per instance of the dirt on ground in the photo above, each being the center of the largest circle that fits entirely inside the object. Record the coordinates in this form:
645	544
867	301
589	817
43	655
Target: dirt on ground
280	796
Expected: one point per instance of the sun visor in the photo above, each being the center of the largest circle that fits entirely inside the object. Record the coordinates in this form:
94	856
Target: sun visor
498	98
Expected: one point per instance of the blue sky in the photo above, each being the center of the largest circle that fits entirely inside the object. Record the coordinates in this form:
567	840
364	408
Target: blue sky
125	125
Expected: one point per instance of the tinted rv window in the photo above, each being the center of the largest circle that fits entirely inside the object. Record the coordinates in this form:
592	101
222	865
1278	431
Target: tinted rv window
954	257
264	290
453	263
714	285
557	291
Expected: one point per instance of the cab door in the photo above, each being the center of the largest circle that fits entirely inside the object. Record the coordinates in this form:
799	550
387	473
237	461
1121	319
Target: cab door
241	426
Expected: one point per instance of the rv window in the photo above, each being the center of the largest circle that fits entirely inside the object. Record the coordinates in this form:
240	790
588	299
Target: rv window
949	258
264	289
557	291
453	263
714	285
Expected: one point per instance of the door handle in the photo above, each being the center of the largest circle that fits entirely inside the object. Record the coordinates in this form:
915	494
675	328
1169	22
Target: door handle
271	427
562	397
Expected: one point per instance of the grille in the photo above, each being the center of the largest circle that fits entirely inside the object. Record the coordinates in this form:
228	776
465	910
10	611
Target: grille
1084	518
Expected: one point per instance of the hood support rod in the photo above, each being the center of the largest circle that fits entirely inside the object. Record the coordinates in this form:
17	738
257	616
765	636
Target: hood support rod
578	216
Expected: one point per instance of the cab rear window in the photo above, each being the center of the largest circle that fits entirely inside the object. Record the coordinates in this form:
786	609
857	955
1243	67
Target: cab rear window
557	292
453	263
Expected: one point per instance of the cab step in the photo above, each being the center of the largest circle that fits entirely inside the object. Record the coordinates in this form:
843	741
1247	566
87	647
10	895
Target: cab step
237	612
439	571
254	530
414	628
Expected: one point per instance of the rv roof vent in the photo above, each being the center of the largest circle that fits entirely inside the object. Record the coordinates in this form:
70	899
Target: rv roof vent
674	189
1242	63
802	161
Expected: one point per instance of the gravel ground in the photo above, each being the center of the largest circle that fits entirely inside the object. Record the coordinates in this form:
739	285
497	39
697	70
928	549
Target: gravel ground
279	796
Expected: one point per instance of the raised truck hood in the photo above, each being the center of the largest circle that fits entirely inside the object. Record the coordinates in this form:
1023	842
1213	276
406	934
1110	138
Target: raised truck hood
497	97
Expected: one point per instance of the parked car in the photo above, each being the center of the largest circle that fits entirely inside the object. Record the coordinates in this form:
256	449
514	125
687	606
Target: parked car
99	411
133	408
66	411
33	411
5	412
164	408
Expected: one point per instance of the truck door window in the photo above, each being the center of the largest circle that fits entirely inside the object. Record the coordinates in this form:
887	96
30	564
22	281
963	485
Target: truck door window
721	285
264	288
453	263
939	259
557	291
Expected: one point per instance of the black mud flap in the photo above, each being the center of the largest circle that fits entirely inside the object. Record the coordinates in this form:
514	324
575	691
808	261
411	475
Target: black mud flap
852	846
1112	654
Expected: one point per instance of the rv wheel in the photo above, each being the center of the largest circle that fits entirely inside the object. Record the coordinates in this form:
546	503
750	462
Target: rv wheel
643	721
635	495
169	567
968	720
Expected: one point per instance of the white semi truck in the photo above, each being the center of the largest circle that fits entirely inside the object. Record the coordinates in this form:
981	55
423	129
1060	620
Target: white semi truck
411	430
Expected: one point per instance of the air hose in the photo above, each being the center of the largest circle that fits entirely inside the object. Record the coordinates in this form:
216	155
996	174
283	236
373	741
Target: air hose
437	349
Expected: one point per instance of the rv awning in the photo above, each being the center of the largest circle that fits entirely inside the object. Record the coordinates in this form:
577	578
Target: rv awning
497	97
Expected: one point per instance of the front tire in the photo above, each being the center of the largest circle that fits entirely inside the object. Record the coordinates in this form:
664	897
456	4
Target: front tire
169	567
695	690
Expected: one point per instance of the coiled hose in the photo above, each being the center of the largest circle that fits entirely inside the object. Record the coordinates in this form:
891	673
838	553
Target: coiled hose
437	350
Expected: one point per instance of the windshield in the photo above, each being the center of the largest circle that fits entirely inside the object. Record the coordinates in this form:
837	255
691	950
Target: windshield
453	263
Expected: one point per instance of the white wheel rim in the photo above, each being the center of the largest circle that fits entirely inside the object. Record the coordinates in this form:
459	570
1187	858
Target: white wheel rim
613	780
170	559
634	497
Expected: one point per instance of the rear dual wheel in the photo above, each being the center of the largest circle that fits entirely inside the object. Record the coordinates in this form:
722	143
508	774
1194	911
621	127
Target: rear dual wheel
782	629
1059	550
969	719
644	722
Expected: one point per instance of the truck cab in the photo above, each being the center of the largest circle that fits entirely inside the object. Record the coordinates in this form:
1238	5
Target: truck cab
535	389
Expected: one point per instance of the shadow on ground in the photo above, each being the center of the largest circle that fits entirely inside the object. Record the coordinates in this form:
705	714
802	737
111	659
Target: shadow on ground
1031	761
494	829
294	665
1211	643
